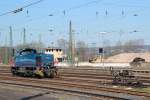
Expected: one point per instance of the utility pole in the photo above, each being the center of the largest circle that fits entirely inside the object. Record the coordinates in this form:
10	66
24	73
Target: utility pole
24	36
40	43
71	54
5	51
11	38
40	39
10	49
102	51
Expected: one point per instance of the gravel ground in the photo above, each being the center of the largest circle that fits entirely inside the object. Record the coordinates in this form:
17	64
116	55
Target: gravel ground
11	92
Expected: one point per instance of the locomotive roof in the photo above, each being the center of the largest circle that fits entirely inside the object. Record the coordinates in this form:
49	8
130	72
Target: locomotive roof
29	49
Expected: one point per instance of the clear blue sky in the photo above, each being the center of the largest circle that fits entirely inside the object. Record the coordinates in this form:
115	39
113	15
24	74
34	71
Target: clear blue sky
84	19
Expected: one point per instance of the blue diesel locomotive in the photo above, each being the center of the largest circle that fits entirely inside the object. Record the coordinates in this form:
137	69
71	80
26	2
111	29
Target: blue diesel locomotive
28	62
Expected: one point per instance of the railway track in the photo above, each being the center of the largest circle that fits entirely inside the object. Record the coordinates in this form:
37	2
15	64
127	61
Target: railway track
77	87
77	77
95	73
93	70
90	75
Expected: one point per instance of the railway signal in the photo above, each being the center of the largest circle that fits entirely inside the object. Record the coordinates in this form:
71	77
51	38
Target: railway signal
100	50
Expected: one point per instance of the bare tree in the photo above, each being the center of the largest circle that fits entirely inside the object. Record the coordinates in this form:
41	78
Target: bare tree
63	44
133	45
92	50
82	51
36	45
129	46
118	48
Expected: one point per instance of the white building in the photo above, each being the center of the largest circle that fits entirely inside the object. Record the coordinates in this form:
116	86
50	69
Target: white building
58	53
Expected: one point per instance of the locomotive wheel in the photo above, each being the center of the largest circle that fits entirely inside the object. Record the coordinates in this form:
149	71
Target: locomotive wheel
52	73
47	74
14	73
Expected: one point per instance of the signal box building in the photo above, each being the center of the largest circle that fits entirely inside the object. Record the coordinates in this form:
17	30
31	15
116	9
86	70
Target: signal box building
58	53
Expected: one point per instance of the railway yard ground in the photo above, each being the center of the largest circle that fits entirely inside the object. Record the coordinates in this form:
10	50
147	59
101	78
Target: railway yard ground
80	83
144	89
14	92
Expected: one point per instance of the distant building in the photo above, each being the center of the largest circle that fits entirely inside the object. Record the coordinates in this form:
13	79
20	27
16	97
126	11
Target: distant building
58	53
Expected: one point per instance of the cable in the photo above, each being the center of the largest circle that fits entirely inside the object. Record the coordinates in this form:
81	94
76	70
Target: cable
66	10
21	8
34	3
6	13
86	4
76	7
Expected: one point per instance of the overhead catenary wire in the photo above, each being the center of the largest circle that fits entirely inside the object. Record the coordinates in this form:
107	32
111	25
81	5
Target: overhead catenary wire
31	4
67	10
75	7
63	11
21	8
